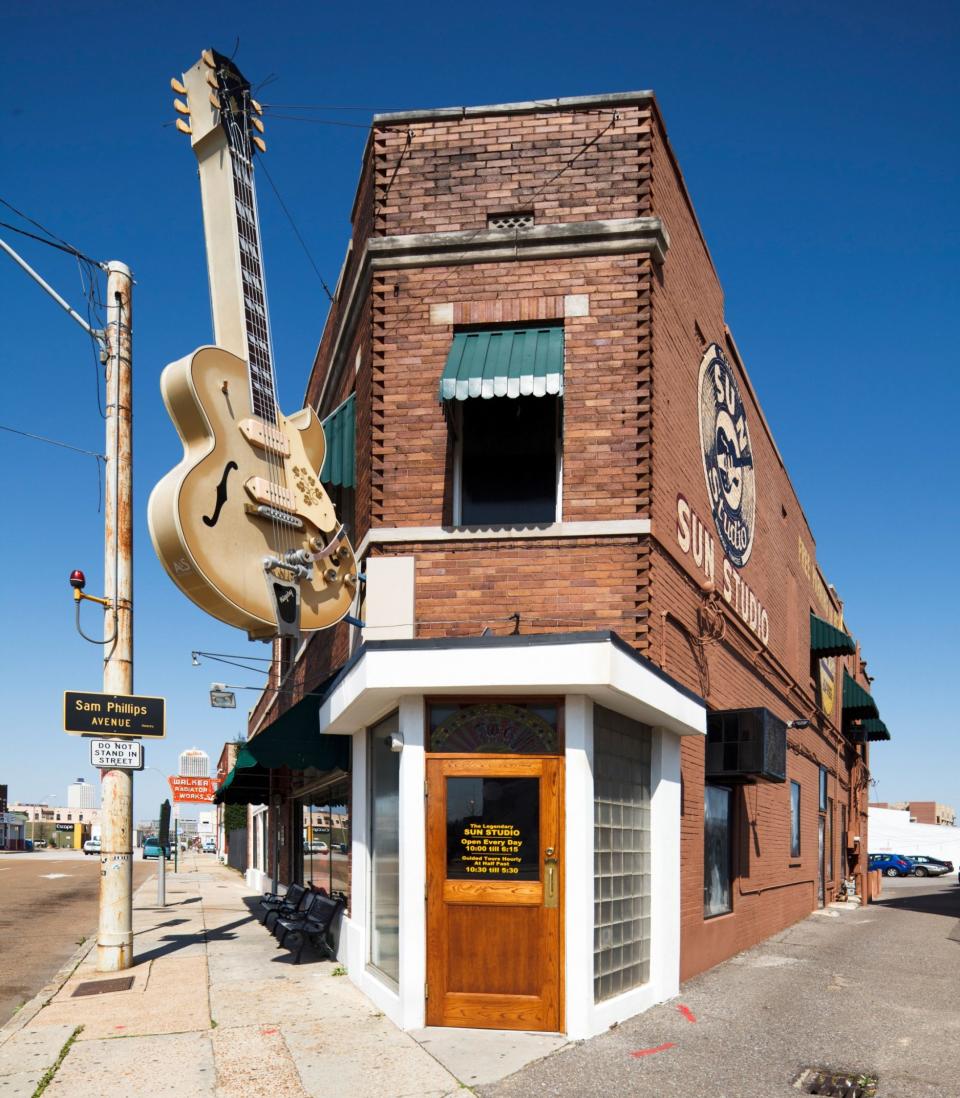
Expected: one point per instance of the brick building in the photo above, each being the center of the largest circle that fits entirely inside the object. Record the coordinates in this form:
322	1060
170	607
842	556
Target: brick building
595	635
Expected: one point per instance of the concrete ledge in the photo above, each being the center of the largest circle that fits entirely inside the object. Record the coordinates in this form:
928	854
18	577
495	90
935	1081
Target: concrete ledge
528	106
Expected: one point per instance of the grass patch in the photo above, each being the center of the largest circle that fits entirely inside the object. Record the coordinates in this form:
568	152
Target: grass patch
339	971
54	1068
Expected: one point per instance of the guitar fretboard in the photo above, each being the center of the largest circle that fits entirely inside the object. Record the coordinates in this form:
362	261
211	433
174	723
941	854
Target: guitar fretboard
263	397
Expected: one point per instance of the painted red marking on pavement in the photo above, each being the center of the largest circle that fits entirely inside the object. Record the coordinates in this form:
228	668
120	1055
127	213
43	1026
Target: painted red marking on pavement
650	1051
687	1013
268	1031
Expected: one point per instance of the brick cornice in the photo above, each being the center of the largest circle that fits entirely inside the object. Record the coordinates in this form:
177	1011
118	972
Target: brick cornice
620	236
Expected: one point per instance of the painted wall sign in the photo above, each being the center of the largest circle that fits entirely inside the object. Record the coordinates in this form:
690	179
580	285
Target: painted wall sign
727	456
113	715
694	538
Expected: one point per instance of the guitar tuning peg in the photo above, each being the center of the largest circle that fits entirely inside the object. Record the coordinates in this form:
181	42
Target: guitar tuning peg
257	124
208	60
180	107
215	101
177	86
256	106
183	127
212	81
260	143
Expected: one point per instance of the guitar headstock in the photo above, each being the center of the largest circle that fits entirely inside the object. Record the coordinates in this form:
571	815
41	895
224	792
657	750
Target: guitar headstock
214	97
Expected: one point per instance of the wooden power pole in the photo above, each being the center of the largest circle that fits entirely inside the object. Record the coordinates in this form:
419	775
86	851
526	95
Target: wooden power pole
115	930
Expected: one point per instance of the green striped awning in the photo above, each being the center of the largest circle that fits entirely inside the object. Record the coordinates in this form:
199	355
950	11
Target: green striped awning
511	362
857	703
339	466
828	640
872	730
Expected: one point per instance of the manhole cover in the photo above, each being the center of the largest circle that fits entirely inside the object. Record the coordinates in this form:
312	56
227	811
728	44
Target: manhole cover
837	1084
101	987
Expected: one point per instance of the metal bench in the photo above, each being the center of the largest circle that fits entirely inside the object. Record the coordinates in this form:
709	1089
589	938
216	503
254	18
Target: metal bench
284	905
313	928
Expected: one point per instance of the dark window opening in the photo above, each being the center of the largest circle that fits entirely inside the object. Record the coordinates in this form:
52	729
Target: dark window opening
794	819
717	862
509	460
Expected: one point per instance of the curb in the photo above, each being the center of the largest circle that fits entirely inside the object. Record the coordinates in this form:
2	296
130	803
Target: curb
32	1007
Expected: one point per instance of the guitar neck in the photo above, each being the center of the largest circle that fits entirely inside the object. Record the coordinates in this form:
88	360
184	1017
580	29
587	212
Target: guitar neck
238	299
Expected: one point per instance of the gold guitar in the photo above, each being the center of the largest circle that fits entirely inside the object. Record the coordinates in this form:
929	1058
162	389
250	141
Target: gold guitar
242	525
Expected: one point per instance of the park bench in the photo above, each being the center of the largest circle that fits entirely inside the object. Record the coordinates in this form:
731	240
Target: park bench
313	928
285	905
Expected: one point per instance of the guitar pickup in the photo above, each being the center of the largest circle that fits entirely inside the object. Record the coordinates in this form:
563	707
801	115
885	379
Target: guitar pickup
273	495
265	436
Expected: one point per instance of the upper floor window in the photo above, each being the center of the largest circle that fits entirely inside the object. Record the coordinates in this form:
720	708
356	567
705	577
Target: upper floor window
507	454
339	473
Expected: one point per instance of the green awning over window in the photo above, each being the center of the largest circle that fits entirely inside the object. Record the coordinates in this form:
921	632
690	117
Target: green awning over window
828	640
872	729
505	363
247	782
339	465
294	740
857	703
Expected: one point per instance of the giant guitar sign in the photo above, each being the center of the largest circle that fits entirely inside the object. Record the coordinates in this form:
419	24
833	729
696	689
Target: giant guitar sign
242	525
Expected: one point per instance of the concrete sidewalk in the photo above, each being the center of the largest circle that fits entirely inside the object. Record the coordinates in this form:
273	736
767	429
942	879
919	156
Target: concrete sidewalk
215	1009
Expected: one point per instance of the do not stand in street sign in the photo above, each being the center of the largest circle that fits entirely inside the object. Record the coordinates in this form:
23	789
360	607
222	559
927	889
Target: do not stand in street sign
116	754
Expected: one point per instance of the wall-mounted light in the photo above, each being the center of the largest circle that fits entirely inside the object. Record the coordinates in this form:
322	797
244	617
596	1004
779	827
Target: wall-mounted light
801	723
221	697
395	741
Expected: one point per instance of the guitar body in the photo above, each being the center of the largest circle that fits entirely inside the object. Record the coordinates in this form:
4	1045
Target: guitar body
203	515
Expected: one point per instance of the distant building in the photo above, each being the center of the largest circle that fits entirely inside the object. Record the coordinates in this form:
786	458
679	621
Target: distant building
81	794
924	812
194	764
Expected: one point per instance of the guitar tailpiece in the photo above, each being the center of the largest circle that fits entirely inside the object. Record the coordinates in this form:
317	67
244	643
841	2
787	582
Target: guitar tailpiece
274	564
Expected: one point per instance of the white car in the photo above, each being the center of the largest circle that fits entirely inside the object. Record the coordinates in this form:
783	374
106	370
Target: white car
91	846
209	846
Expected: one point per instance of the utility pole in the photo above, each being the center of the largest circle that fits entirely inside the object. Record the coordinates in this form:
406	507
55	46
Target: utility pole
115	930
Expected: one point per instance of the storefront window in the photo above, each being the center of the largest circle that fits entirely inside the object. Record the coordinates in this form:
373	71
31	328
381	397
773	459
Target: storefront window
326	840
717	891
621	878
385	849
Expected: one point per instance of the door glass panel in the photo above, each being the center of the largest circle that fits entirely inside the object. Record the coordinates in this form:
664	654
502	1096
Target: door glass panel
493	829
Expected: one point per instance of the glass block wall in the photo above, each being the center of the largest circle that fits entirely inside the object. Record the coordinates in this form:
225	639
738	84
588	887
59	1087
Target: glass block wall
621	858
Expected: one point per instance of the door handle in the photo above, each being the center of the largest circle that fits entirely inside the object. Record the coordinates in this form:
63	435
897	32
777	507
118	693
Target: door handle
551	890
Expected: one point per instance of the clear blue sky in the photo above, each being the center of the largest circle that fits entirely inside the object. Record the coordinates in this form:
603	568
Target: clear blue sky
819	142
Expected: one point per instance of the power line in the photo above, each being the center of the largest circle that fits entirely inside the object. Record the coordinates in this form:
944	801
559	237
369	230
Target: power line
293	225
61	244
318	121
100	458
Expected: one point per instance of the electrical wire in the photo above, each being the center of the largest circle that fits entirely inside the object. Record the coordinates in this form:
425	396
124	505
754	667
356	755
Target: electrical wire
66	446
317	121
297	233
54	241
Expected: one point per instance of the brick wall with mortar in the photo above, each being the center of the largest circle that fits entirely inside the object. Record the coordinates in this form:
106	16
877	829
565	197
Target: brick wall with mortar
770	889
630	445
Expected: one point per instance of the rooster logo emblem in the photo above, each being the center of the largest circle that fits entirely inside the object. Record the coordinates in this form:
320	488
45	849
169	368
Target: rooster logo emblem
727	456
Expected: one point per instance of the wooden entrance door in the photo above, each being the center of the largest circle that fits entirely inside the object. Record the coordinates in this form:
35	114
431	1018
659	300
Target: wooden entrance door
495	892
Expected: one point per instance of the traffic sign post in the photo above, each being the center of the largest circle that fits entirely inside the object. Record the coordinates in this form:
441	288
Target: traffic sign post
86	714
116	754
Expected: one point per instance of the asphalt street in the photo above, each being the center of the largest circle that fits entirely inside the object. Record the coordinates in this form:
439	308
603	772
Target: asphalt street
49	906
864	990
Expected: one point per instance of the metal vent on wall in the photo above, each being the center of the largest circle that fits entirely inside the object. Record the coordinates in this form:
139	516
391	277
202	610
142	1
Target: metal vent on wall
516	220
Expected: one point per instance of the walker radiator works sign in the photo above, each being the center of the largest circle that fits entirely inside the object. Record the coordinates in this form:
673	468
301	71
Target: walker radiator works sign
191	790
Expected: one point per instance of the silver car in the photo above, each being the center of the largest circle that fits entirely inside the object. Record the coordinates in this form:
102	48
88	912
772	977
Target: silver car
928	867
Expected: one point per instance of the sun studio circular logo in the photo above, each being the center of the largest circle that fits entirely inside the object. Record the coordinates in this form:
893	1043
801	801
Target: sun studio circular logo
727	456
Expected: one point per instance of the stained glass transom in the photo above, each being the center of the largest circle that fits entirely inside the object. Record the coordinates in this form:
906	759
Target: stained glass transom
494	728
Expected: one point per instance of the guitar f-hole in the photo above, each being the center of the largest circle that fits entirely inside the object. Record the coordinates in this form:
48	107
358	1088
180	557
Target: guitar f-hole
212	520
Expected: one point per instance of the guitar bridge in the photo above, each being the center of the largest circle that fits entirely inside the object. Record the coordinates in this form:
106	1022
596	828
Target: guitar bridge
274	514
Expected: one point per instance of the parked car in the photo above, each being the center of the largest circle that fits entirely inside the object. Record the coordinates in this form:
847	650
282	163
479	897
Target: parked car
890	865
318	847
39	844
925	866
209	846
91	846
151	848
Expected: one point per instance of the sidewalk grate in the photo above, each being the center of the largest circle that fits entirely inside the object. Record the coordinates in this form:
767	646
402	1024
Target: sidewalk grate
837	1084
101	987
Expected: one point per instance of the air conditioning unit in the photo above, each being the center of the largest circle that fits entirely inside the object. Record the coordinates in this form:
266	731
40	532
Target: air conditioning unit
746	745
